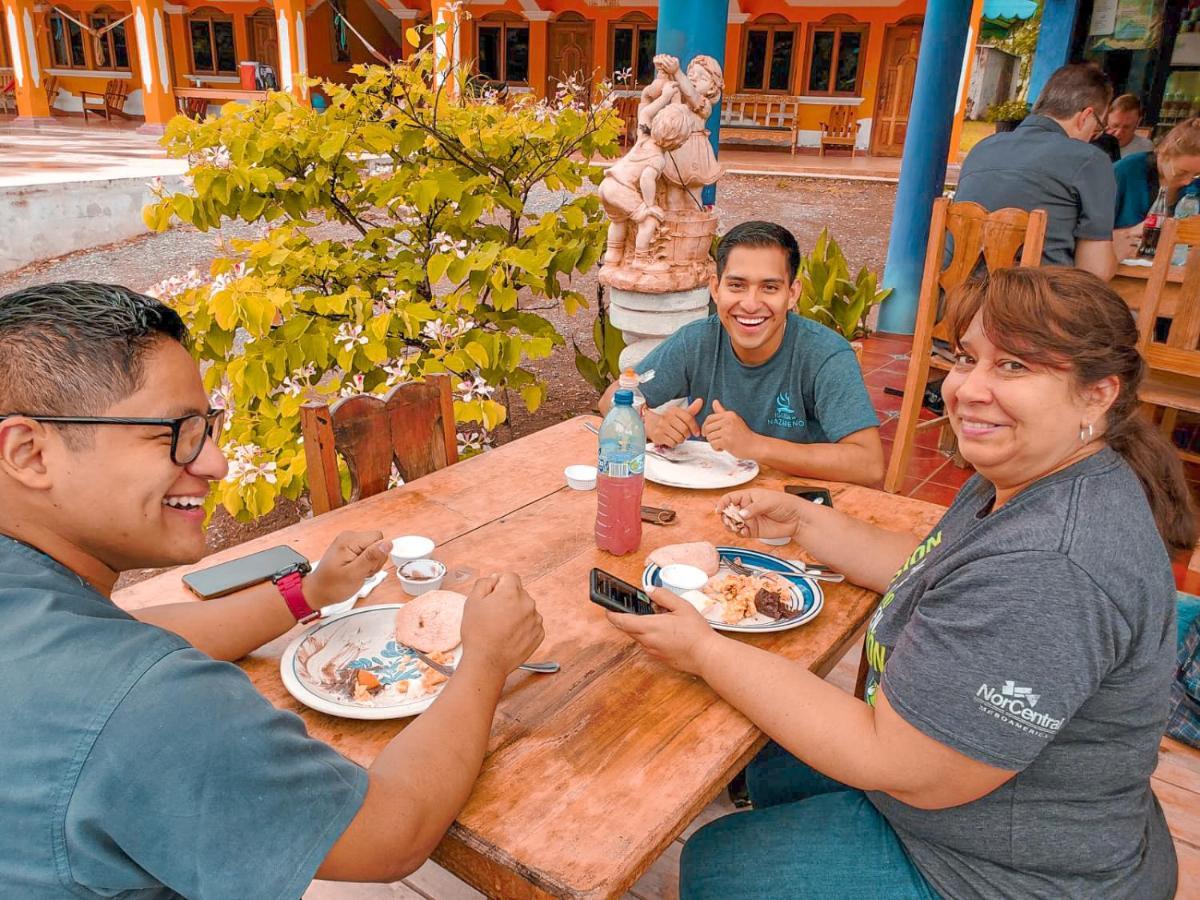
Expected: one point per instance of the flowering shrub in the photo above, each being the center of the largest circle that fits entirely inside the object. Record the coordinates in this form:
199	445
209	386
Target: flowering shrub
395	243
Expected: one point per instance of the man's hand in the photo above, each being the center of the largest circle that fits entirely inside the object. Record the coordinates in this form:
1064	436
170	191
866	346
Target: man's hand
766	513
674	426
352	558
501	625
680	637
728	431
1126	241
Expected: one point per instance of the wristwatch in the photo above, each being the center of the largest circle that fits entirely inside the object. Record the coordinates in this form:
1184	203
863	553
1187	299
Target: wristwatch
290	582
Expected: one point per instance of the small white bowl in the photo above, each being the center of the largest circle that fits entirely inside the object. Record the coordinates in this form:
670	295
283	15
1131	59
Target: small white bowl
680	579
421	576
776	542
411	546
580	478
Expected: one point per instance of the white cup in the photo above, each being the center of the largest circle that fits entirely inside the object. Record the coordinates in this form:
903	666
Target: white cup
421	576
679	578
411	546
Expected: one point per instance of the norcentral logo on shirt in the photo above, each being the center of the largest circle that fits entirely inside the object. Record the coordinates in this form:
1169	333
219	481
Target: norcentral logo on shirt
785	416
1015	705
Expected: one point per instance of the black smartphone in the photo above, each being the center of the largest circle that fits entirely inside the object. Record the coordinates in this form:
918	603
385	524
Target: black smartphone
227	577
819	496
611	592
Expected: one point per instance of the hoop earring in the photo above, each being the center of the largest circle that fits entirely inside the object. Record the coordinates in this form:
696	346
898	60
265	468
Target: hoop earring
1085	434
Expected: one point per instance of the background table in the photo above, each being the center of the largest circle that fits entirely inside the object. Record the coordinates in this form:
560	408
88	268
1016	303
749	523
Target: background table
592	772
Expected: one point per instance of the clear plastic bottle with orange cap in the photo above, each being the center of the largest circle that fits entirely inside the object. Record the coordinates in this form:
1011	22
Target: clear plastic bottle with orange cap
629	381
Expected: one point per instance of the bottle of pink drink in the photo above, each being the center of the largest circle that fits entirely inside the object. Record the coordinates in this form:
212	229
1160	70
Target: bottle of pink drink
621	477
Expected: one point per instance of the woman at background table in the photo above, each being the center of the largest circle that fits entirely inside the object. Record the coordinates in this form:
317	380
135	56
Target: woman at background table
1021	656
1173	165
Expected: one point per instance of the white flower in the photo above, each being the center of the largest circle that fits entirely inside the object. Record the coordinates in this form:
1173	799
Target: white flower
396	372
354	387
443	331
245	467
170	288
443	243
474	439
225	279
296	383
349	336
476	388
215	156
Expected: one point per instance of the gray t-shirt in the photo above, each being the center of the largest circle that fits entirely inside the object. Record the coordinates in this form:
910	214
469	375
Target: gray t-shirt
1037	166
810	392
1038	638
136	766
1138	144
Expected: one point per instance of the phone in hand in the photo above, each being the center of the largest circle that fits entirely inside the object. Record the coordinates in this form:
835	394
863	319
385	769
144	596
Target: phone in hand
612	593
227	577
819	496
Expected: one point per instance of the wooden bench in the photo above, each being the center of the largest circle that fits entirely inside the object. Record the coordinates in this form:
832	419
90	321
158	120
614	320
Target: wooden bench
755	117
840	130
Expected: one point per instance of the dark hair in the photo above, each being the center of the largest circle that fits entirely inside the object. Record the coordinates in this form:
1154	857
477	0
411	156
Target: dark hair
1127	103
1072	89
1069	319
759	234
76	348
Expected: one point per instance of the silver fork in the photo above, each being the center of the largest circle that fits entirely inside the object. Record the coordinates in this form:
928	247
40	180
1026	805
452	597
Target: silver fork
675	462
741	568
546	668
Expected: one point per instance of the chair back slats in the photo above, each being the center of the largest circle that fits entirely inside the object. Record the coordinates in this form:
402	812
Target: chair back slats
1180	353
411	428
971	237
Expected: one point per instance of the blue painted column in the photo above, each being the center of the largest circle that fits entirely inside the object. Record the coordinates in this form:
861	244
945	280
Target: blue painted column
688	28
926	149
1054	43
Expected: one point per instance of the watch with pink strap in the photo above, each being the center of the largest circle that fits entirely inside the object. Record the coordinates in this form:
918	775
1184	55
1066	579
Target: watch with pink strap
290	582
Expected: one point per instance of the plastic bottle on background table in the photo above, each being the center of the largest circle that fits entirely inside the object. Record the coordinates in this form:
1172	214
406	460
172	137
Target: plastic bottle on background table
1152	227
1188	206
629	381
621	477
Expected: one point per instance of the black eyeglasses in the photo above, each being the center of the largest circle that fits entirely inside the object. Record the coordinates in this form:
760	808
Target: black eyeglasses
188	433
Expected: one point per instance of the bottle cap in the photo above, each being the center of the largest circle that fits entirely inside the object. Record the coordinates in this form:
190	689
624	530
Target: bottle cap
623	398
629	375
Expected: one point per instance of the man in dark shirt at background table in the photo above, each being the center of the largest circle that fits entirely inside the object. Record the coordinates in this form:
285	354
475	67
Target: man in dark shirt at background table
1047	163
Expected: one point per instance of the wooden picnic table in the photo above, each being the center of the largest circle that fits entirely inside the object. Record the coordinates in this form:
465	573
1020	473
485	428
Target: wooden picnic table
218	93
591	773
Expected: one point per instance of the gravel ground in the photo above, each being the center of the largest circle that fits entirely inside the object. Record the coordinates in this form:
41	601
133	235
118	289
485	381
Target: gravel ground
857	214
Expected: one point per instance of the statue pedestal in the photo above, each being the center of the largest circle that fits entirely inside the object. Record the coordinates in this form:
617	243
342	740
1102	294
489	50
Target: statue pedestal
646	320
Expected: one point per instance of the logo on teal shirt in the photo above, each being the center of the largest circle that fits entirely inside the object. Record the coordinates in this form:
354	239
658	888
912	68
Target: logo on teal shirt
785	416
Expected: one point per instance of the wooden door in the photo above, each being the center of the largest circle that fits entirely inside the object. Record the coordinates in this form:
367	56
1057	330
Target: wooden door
900	47
570	53
264	37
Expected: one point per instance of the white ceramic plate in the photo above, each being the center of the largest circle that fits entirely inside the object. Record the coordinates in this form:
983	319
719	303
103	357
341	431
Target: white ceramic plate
319	665
806	592
699	467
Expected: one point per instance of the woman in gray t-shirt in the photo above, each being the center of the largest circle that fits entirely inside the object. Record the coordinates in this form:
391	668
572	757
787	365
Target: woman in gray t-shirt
1019	661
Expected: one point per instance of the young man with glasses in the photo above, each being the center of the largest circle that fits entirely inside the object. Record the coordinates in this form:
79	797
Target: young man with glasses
1048	163
136	758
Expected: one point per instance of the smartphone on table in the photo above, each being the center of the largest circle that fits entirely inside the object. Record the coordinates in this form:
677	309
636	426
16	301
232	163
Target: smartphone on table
227	577
817	495
612	593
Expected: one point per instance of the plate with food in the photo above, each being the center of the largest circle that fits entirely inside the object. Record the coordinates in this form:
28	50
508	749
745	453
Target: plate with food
696	465
363	665
775	595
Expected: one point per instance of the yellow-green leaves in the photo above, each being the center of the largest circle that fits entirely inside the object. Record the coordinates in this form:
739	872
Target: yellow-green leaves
396	239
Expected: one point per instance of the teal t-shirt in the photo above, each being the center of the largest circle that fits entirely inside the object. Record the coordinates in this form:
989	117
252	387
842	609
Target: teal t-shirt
1137	188
136	766
810	392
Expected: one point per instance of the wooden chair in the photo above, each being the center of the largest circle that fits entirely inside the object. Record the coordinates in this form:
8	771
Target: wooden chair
1173	378
195	108
412	427
627	108
51	86
108	104
996	237
8	93
841	130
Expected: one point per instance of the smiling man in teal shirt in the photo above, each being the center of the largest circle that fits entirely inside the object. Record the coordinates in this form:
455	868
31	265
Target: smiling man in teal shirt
760	381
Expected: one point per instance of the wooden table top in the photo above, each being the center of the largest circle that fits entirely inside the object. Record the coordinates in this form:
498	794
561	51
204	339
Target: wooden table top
237	93
592	772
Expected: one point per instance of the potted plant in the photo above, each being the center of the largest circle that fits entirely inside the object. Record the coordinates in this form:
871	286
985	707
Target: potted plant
1008	115
828	295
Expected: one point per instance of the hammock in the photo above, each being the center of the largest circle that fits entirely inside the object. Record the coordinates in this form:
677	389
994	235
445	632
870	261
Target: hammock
375	53
97	35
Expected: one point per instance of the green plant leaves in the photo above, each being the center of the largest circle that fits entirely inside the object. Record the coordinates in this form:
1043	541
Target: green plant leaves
829	296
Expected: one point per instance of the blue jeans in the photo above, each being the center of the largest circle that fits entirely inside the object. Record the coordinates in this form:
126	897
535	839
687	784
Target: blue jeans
808	837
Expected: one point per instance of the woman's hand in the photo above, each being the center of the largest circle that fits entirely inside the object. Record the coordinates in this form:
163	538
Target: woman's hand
680	637
769	514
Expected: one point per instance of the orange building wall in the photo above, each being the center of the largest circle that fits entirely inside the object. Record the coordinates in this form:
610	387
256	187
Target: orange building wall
72	84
